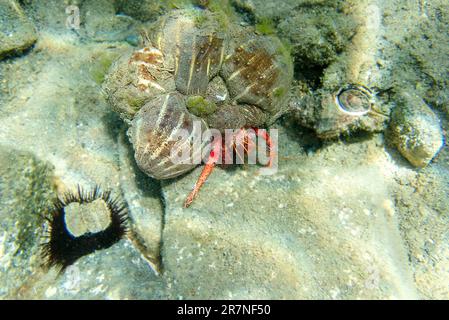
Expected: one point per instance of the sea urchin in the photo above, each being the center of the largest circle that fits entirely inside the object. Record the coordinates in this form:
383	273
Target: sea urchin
81	223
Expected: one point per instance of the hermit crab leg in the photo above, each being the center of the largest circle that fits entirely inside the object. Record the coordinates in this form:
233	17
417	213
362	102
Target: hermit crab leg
207	170
239	139
264	135
249	144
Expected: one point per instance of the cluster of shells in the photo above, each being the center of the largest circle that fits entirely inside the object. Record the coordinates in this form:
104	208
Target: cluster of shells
196	66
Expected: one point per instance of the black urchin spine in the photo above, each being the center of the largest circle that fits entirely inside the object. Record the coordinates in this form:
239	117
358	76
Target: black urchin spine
62	248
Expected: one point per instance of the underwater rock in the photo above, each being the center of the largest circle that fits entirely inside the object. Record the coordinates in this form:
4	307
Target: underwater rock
97	20
17	33
101	23
415	130
347	80
50	15
418	57
116	273
349	109
317	34
26	191
322	229
143	10
423	222
145	208
360	61
67	121
258	10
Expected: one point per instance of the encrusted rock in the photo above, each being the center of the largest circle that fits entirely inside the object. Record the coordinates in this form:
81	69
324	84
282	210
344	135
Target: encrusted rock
25	192
349	109
145	208
17	33
142	10
116	273
318	34
415	130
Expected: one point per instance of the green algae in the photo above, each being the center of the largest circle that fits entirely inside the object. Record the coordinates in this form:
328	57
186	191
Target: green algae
279	92
101	64
265	26
27	191
200	106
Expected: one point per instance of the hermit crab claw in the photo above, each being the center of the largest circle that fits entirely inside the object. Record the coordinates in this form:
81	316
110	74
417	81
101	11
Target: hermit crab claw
218	148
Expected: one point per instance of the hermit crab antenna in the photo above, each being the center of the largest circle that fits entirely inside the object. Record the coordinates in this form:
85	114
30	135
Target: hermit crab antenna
146	41
264	135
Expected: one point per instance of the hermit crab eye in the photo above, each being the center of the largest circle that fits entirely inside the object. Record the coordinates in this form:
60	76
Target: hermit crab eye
355	100
81	223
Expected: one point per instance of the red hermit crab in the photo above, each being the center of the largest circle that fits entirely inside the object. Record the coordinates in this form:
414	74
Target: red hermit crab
198	71
242	142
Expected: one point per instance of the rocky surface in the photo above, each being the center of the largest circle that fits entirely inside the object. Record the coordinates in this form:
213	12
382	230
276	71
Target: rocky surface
415	130
26	189
349	55
340	219
423	223
52	107
344	230
101	23
331	24
118	272
145	206
17	33
420	63
145	10
26	185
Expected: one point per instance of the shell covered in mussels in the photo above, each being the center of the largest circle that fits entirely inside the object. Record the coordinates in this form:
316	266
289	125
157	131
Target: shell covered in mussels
196	66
